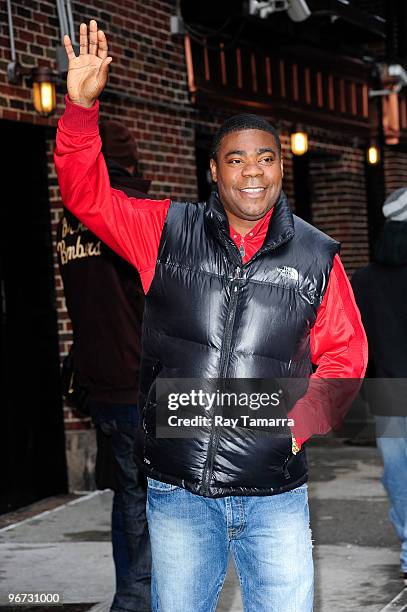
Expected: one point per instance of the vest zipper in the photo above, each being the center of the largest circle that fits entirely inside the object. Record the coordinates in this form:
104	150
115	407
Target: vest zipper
224	360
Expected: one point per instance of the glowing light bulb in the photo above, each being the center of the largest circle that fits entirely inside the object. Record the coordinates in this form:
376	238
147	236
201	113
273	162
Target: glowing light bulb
299	143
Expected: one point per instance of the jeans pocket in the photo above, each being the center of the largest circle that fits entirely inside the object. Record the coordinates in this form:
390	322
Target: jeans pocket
160	487
301	489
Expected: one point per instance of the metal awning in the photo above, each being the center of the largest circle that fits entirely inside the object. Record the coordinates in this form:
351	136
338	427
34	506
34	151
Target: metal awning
293	83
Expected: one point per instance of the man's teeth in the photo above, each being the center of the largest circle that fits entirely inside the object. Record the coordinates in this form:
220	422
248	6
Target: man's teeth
253	189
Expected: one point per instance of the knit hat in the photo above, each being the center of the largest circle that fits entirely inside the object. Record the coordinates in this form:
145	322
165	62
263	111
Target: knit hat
118	143
395	205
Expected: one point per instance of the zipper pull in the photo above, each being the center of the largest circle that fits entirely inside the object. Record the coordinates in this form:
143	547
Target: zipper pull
236	278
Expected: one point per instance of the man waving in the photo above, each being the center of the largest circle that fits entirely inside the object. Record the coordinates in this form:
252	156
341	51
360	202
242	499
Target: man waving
236	288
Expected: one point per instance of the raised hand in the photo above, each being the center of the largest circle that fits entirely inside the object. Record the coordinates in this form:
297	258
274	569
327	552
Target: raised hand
88	72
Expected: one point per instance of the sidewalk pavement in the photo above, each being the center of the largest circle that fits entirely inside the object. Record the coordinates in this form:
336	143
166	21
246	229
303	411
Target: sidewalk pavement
67	549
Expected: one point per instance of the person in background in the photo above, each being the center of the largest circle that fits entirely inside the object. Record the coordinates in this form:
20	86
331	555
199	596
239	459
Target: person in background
105	302
381	294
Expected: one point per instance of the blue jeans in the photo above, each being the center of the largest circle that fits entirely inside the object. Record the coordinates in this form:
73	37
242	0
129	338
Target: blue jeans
191	537
116	468
391	434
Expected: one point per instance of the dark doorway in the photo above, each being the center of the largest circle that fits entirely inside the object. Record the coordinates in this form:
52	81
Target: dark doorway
202	154
302	187
32	432
375	194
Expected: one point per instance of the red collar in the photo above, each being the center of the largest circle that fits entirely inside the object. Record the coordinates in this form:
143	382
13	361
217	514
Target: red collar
258	232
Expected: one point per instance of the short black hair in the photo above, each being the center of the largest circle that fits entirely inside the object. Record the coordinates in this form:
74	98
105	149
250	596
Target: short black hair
244	121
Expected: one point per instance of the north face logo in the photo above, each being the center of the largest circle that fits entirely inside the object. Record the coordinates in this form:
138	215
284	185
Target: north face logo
288	272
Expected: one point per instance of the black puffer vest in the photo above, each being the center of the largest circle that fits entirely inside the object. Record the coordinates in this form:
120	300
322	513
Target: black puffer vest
208	315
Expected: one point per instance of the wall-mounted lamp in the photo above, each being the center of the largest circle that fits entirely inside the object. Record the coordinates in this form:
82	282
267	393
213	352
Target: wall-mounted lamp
373	155
40	78
299	143
44	96
42	81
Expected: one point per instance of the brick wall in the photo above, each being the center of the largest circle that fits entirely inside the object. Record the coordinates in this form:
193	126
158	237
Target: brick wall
395	169
36	36
148	76
339	201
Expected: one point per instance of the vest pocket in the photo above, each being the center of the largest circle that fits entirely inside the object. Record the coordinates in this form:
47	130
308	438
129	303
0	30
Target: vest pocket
286	472
149	418
148	412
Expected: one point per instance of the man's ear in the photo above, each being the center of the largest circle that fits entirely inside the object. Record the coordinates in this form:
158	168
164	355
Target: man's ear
214	170
282	167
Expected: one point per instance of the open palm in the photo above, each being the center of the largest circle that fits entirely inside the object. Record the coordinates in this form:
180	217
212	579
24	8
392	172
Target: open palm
87	72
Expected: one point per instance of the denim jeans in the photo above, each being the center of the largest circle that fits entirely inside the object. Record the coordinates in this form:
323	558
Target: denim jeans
191	537
391	434
130	539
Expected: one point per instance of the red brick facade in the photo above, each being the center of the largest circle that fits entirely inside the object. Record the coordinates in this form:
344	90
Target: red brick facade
395	168
149	77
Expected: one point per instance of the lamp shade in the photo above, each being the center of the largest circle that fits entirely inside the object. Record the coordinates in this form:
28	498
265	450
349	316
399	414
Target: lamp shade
373	155
44	95
299	143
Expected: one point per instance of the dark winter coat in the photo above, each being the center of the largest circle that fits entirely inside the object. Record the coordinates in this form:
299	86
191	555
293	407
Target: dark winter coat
248	321
105	301
381	294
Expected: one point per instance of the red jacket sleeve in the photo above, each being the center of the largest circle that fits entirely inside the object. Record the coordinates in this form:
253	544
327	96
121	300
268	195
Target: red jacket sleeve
131	227
339	350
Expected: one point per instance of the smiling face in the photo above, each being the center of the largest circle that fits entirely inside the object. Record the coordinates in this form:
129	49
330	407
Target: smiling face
248	171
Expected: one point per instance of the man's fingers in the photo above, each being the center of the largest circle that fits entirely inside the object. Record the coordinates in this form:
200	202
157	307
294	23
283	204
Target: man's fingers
102	45
93	37
68	47
83	38
104	71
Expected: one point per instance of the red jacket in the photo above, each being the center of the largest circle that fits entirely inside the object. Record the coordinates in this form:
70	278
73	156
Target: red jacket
132	228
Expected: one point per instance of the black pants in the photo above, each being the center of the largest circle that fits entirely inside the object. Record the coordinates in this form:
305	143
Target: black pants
116	469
